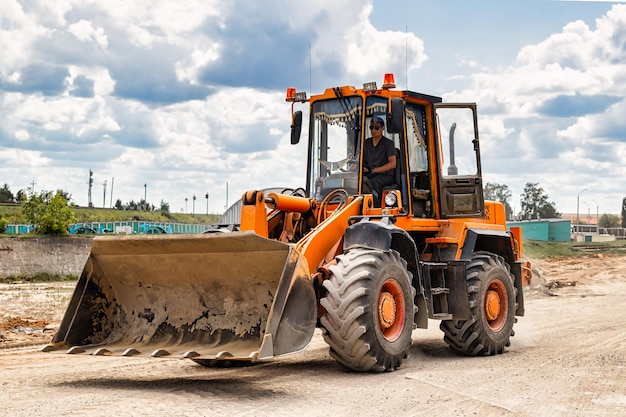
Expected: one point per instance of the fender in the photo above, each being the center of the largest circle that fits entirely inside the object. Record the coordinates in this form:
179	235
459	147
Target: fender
498	242
384	236
494	241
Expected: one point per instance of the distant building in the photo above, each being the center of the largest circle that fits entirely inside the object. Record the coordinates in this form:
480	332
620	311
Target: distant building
555	230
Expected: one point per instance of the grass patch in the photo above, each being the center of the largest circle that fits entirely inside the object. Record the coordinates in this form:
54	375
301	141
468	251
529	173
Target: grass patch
39	277
13	215
541	249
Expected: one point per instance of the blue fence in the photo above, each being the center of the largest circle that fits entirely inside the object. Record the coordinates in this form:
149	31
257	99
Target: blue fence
19	228
129	228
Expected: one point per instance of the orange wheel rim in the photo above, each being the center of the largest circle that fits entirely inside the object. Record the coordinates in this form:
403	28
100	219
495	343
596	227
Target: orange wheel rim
496	305
391	310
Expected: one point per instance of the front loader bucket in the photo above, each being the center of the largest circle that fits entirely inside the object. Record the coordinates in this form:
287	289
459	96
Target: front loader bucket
231	296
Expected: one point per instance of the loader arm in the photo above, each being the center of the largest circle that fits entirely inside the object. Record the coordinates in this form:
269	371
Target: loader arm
317	245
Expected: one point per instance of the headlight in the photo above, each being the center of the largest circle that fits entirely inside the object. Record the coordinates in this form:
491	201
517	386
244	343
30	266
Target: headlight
391	199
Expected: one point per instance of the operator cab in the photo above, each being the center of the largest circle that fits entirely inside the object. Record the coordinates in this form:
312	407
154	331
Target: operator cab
338	129
429	161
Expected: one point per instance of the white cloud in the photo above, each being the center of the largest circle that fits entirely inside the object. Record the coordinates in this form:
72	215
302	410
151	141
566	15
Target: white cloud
602	126
16	37
346	36
84	31
563	152
371	53
10	157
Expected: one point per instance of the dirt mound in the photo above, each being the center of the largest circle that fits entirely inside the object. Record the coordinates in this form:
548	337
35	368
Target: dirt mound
19	332
21	323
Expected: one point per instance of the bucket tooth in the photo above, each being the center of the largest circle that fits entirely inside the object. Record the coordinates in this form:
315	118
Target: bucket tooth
75	349
159	353
101	352
131	352
223	355
53	347
191	354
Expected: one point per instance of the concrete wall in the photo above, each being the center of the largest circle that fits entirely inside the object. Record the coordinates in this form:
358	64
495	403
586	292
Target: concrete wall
53	255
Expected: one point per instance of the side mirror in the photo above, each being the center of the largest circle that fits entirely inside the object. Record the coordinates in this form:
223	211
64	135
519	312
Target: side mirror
395	118
296	127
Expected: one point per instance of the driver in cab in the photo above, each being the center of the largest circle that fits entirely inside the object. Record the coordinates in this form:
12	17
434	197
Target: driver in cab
379	158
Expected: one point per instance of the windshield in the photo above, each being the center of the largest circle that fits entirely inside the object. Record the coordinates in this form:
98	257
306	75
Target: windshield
334	152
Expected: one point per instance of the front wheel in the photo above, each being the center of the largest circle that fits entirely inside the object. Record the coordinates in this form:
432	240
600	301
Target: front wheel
369	310
492	306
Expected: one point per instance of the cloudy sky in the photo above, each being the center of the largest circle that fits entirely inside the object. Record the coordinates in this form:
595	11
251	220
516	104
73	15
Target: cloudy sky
188	96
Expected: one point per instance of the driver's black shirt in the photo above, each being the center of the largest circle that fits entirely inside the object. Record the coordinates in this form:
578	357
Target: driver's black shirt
375	156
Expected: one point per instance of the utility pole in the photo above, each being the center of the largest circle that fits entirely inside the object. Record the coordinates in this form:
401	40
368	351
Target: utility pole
226	206
111	203
145	197
578	207
89	203
193	205
104	198
207	203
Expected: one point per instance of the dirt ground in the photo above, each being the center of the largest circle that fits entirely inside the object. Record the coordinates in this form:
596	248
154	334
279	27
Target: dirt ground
568	358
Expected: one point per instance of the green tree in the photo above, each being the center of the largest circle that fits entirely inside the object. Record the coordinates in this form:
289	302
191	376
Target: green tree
500	193
49	213
535	204
609	220
3	224
624	212
6	196
165	206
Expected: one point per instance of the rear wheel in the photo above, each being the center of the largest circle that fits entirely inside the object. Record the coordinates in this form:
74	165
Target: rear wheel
492	306
369	310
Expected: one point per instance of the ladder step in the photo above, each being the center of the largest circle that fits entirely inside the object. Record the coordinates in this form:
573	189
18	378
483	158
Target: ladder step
437	265
442	316
440	290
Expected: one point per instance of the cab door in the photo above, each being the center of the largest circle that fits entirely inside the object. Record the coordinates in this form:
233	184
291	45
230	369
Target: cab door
459	171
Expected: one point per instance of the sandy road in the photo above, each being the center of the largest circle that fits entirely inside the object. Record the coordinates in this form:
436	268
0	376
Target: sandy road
568	358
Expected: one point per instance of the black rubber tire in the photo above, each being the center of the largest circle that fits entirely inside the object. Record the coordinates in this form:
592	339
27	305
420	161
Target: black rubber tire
362	333
486	333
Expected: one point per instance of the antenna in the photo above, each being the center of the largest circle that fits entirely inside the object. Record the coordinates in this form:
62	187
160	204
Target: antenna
310	71
406	58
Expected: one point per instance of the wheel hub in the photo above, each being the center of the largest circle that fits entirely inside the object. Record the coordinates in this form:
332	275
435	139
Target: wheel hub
492	305
386	310
496	305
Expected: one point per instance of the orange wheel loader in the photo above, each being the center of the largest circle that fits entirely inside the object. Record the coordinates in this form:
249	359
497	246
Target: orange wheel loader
367	269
